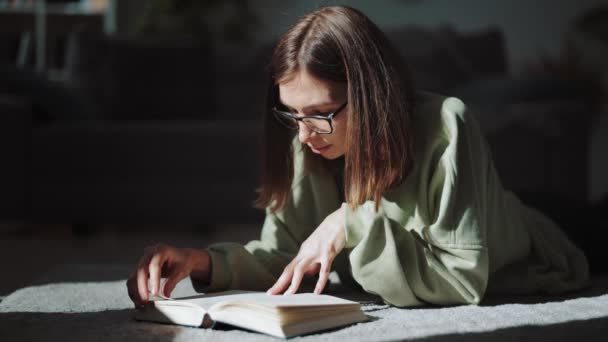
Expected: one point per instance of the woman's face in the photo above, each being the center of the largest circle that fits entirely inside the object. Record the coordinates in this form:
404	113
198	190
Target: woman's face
306	95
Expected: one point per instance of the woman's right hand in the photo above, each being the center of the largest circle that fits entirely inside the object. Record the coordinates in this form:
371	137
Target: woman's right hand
162	261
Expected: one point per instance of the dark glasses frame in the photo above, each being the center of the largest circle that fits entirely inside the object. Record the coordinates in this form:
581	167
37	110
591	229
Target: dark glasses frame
280	114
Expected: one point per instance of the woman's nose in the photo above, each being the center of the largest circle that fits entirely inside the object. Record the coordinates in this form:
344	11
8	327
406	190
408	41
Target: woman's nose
304	133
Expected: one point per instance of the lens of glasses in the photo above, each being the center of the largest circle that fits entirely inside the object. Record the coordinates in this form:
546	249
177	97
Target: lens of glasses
318	125
285	119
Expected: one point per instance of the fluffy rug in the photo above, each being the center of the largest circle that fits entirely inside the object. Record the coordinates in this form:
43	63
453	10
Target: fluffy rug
101	310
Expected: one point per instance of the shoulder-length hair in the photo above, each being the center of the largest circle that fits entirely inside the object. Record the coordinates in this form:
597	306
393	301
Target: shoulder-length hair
341	44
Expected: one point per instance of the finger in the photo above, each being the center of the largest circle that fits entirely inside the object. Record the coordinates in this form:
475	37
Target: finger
298	274
323	277
132	290
154	269
142	283
282	282
170	283
135	298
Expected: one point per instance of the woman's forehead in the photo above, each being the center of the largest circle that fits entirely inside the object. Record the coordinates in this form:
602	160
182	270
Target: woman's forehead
303	89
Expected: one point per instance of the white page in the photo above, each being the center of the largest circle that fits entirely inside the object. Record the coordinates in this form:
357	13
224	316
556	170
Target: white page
300	299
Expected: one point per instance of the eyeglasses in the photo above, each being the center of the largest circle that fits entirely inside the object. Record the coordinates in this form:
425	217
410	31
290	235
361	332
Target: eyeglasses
321	124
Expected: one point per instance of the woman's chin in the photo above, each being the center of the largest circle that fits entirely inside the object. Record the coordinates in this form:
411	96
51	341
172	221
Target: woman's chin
332	156
328	152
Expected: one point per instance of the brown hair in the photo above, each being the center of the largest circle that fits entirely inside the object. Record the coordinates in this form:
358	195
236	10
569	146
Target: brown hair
341	44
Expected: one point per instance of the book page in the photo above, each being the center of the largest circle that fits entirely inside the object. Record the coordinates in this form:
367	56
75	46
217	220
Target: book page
261	298
277	315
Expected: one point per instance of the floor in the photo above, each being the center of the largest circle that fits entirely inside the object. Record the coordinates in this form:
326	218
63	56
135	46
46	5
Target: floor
28	251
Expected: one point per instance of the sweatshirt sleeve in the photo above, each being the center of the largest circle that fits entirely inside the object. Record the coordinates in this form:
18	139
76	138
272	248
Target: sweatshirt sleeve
258	264
254	266
432	248
406	268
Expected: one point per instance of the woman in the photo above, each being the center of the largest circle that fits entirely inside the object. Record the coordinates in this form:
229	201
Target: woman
395	191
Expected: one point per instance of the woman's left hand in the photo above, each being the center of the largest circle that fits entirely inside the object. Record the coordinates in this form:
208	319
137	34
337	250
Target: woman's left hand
316	255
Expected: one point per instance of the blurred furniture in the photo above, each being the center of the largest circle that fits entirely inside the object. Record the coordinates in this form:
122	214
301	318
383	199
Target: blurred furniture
135	144
144	172
538	131
537	125
588	38
150	172
126	78
39	28
15	145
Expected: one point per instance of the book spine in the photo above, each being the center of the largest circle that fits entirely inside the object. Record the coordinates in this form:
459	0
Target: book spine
208	322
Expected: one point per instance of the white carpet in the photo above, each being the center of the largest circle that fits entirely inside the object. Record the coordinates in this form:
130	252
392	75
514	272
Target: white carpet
101	310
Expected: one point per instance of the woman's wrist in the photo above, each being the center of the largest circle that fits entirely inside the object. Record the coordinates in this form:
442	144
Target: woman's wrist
200	265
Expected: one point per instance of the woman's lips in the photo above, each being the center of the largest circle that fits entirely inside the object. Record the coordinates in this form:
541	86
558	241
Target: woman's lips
319	149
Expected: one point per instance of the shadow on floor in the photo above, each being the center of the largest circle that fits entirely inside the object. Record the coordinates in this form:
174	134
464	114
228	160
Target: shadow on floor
583	330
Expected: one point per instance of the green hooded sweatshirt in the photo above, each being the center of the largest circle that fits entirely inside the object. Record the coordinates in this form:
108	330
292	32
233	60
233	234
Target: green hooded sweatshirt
448	234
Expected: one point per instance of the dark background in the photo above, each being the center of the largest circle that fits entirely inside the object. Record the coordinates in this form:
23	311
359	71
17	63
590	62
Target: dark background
124	123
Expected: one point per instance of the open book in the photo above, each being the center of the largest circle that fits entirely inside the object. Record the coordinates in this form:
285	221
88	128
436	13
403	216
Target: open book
279	315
